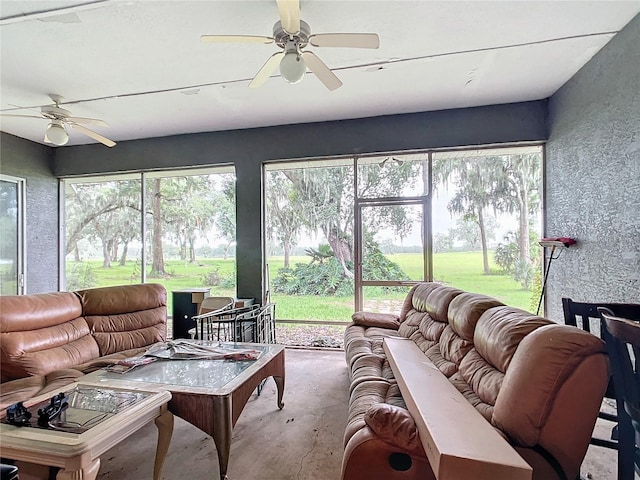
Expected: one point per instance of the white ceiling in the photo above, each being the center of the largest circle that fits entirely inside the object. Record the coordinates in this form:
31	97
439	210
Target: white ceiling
140	65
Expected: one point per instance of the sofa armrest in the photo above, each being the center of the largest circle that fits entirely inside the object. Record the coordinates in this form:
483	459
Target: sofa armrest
395	426
371	319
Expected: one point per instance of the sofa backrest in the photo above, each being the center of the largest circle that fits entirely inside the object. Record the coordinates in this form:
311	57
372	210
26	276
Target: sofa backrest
496	337
125	317
41	333
424	314
456	340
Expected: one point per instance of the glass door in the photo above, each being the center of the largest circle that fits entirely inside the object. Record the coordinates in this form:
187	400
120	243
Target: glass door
12	265
392	229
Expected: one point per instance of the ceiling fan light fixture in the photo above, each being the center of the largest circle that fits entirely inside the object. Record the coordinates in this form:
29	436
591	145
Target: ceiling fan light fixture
57	134
292	67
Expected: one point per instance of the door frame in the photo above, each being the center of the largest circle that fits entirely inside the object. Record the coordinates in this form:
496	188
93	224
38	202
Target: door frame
21	253
361	203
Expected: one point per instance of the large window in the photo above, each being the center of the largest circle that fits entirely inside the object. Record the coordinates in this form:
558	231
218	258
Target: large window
174	228
12	238
487	208
358	232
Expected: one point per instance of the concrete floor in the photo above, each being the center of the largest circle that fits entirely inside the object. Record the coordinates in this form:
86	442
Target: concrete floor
301	442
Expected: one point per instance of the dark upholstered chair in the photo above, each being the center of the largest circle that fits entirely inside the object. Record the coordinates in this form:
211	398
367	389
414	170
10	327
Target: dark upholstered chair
622	338
586	316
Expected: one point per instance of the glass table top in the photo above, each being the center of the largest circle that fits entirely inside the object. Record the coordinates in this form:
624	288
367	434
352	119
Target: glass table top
81	408
209	374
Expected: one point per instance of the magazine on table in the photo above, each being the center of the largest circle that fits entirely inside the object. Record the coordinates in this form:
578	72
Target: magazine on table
127	364
181	349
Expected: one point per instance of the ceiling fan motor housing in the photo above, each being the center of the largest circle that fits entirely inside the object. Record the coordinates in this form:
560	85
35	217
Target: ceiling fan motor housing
55	112
282	37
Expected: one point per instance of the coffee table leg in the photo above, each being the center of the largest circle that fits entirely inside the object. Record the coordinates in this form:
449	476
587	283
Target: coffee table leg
164	423
222	425
280	386
90	472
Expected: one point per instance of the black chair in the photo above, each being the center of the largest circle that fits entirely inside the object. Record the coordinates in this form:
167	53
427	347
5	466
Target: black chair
8	472
622	337
586	316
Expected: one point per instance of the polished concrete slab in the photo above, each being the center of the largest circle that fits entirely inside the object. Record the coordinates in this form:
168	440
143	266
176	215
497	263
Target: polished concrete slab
301	442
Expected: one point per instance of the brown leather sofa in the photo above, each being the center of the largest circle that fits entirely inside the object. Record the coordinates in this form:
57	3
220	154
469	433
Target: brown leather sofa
50	340
539	384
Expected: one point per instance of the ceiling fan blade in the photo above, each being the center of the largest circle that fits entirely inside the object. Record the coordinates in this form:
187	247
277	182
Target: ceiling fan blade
94	135
236	39
92	121
351	40
324	74
289	11
19	116
267	69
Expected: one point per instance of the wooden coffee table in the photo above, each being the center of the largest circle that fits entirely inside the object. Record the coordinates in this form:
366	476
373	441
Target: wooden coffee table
109	414
209	394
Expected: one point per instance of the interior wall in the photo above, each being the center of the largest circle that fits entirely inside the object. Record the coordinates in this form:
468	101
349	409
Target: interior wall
34	162
248	149
593	178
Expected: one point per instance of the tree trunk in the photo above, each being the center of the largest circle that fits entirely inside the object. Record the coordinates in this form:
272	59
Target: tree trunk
483	241
287	253
123	257
106	262
76	253
157	268
192	250
524	253
341	250
114	250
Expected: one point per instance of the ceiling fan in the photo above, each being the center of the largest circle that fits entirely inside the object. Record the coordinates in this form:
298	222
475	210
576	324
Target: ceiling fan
59	118
292	35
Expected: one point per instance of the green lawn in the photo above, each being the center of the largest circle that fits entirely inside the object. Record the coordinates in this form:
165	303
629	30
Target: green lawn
459	269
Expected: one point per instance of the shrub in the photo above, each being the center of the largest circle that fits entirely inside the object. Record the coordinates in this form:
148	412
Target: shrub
81	276
211	278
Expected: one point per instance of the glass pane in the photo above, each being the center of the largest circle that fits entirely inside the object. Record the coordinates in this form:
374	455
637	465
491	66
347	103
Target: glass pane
392	243
487	222
309	241
103	242
384	299
393	176
190	233
9	246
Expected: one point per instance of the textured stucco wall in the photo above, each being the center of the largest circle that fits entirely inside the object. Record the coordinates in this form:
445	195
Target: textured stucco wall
34	163
593	178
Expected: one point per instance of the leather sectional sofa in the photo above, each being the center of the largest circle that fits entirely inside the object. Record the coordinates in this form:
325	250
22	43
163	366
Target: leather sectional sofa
50	340
539	384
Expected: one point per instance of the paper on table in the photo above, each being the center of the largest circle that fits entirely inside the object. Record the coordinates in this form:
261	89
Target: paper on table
184	350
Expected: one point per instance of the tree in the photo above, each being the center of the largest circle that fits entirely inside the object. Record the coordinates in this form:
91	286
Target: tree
479	186
225	216
157	266
522	174
107	211
285	219
326	196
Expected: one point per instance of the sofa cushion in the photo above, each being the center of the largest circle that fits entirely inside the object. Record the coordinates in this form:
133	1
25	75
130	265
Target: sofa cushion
41	333
372	319
396	426
498	333
540	367
366	394
428	317
125	317
23	389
